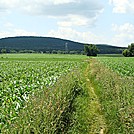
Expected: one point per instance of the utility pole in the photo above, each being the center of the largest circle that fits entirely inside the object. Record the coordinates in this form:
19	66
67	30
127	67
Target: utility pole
66	47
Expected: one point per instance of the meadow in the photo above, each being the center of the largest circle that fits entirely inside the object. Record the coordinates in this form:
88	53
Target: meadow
43	93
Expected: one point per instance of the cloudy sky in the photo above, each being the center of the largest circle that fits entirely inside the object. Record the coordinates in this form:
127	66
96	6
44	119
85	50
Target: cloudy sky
87	21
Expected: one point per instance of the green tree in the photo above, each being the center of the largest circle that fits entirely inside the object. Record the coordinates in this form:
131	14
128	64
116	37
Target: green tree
130	51
126	53
54	52
13	51
91	50
3	50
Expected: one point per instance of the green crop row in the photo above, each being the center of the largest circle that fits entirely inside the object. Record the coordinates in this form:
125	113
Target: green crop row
122	65
18	80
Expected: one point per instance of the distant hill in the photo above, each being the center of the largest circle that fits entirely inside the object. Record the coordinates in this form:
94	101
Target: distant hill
49	44
109	49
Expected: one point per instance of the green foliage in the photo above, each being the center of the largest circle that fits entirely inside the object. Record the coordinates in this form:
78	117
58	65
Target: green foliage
13	51
54	52
126	53
41	57
110	55
24	78
48	44
60	108
115	93
3	50
26	51
123	66
43	93
91	50
39	44
130	51
107	49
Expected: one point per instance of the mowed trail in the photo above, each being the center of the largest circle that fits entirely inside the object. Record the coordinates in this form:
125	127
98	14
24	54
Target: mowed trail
96	119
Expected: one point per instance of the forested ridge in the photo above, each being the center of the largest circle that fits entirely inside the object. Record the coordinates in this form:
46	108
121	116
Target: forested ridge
49	44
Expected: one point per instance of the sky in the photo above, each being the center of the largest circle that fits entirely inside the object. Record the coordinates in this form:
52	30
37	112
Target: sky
86	21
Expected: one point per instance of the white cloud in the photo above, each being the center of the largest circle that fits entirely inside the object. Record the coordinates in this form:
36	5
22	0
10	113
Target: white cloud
122	6
61	8
63	1
125	28
124	34
16	32
8	25
76	20
54	7
71	34
58	8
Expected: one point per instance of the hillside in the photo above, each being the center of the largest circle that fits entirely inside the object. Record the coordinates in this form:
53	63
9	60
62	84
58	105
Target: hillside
49	44
109	49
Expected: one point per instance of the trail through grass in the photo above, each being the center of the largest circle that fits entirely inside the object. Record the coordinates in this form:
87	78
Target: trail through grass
115	93
96	119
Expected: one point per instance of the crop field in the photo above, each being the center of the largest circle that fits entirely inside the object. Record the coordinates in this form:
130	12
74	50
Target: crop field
40	57
19	78
53	94
123	66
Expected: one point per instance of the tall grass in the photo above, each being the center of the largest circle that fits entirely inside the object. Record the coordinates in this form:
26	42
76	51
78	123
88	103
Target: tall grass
116	97
62	108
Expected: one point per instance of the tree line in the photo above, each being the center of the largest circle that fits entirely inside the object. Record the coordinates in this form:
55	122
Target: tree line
129	52
89	50
2	51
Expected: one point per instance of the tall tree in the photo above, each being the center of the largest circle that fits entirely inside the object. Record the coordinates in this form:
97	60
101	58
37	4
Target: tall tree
91	50
130	51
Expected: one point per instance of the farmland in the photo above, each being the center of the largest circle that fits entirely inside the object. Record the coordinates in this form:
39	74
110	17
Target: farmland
123	66
42	93
20	78
114	85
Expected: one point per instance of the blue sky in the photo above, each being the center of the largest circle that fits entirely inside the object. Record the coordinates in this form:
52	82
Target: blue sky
87	21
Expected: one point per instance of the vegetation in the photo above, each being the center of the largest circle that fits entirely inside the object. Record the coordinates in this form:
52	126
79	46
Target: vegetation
91	50
3	51
22	79
115	92
37	98
130	51
68	94
108	49
122	66
26	44
54	110
110	55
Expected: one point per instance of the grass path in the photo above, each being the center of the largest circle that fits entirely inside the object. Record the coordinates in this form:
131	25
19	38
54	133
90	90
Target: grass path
96	119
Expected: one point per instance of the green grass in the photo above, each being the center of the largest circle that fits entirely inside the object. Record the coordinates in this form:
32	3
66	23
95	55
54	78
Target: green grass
115	92
110	55
41	57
